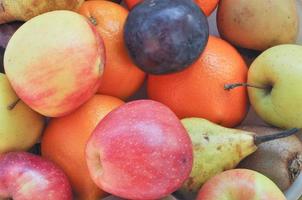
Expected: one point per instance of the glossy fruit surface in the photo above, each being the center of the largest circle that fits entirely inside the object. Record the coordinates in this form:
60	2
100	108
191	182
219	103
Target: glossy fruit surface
140	151
165	36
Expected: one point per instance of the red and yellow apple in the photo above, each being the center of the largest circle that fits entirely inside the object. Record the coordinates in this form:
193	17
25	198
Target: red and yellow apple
54	62
240	184
140	151
24	176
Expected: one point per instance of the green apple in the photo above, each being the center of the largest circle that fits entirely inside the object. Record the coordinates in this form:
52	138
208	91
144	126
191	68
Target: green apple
20	127
277	77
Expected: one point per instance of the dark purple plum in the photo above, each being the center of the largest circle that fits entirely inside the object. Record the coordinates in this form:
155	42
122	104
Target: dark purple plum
165	36
6	32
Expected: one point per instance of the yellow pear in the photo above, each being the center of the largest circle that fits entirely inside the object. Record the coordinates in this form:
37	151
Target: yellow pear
217	149
23	10
20	127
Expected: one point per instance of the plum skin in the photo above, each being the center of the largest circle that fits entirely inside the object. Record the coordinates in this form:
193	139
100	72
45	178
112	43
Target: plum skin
165	36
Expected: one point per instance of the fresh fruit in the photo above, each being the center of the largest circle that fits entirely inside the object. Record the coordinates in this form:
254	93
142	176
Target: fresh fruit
20	127
207	6
258	24
279	160
20	10
165	36
54	62
274	86
217	149
6	32
24	176
121	77
239	184
140	151
65	138
199	90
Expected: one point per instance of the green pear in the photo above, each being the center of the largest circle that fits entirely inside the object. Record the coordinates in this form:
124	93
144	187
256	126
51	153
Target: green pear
20	127
217	149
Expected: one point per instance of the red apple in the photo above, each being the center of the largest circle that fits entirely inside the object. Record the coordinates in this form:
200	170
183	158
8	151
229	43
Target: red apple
24	176
140	151
55	62
240	184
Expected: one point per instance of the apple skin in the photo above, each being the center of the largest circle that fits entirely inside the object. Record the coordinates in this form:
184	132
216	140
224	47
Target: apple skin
140	151
20	127
279	69
54	62
24	176
239	184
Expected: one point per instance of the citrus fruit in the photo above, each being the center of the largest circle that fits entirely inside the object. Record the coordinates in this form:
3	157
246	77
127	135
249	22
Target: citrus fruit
199	90
65	139
121	77
207	6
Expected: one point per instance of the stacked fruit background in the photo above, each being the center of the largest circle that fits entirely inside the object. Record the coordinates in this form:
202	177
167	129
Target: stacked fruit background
150	99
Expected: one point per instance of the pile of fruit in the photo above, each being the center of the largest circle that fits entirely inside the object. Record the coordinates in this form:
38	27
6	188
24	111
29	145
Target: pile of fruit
136	99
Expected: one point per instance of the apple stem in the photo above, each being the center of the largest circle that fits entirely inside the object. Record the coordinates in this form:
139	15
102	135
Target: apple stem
93	20
265	138
234	85
13	105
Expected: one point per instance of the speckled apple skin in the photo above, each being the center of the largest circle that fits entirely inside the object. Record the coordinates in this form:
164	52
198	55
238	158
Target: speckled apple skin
24	176
140	151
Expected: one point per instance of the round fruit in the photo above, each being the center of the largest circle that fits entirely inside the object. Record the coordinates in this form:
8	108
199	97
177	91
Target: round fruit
25	176
258	24
121	77
207	6
140	151
65	138
165	36
199	90
15	118
240	184
54	62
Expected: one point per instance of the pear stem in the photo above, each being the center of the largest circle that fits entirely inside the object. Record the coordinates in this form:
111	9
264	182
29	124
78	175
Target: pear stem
265	138
234	85
13	105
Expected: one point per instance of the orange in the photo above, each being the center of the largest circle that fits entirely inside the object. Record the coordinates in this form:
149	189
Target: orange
121	77
65	139
207	6
198	91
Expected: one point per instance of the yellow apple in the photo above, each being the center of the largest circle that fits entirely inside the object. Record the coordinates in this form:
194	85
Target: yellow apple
20	127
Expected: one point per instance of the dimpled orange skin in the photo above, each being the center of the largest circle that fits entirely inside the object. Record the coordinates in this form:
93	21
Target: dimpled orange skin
65	139
199	91
121	77
207	6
